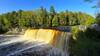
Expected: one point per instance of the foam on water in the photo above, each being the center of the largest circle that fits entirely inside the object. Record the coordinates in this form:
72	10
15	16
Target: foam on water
54	38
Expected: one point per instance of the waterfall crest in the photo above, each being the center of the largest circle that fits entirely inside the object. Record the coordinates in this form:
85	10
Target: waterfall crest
55	38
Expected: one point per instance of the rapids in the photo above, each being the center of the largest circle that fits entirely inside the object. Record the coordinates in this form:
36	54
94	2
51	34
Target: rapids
52	42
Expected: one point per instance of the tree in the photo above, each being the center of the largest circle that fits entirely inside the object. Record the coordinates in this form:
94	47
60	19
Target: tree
55	21
62	19
41	18
88	0
98	19
43	14
52	13
4	24
97	5
67	17
52	10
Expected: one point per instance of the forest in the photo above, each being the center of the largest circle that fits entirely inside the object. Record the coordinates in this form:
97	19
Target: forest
41	18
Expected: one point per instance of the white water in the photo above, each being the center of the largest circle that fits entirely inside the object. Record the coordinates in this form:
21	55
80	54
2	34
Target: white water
10	41
25	49
33	39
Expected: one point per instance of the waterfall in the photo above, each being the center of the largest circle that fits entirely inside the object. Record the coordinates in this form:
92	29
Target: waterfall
53	42
58	39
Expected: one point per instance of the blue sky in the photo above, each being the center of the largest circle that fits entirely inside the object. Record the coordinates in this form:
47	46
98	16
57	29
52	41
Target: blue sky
60	5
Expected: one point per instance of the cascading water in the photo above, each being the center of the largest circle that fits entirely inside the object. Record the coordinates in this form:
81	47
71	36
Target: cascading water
38	42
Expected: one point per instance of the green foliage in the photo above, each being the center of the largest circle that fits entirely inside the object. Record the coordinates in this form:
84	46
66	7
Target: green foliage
4	24
62	19
55	21
88	0
52	10
98	19
74	31
41	18
87	43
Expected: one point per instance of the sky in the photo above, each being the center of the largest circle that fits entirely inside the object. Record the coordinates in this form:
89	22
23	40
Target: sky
59	5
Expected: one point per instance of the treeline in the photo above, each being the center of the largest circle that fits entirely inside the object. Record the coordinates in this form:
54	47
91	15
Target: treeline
41	18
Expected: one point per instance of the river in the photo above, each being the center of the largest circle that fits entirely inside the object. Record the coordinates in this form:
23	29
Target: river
15	45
